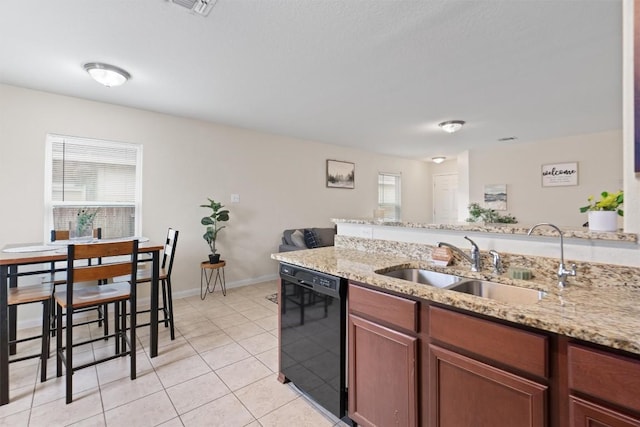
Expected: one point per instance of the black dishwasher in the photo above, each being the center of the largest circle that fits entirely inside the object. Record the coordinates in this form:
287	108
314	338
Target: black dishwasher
312	334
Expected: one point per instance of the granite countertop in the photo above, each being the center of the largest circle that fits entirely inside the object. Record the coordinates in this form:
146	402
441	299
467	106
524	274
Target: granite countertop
512	229
605	315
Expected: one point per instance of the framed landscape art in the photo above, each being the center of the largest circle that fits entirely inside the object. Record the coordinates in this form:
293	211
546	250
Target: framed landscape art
340	174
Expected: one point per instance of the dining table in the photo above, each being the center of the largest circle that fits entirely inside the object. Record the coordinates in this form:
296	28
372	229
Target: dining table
22	259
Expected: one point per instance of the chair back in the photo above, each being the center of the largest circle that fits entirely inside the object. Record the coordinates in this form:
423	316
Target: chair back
64	234
169	250
118	259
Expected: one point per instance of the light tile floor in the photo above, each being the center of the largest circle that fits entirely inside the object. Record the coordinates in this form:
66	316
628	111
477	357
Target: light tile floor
219	371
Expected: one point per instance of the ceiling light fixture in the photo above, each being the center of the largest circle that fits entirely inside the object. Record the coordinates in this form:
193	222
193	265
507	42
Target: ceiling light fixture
438	159
451	126
108	75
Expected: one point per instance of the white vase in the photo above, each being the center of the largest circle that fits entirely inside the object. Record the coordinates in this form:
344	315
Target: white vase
603	220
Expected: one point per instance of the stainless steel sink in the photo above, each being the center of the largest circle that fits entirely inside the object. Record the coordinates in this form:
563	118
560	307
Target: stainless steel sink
425	277
498	291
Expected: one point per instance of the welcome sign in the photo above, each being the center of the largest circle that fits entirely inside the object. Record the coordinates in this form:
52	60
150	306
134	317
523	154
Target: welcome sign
560	174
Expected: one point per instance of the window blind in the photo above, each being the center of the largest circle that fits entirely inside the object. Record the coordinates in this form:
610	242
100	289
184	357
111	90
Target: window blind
96	175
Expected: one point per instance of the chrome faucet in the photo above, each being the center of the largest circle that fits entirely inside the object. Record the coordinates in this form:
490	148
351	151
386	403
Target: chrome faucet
474	259
497	262
562	271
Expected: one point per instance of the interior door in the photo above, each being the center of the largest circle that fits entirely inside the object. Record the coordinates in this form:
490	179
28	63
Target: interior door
445	199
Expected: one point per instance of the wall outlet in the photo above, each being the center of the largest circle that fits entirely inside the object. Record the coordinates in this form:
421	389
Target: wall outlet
235	198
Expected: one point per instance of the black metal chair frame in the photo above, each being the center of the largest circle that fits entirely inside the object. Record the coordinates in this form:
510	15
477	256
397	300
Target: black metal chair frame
123	345
103	312
167	298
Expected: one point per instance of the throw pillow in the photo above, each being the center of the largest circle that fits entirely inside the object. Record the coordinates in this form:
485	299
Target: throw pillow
325	235
298	239
310	239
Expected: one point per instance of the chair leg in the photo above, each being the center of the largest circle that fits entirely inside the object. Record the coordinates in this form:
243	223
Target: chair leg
53	317
116	326
58	341
44	352
123	328
164	304
170	305
132	335
105	320
69	354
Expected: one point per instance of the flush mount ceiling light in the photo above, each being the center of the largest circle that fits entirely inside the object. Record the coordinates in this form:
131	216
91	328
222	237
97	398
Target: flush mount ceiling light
438	159
451	126
108	75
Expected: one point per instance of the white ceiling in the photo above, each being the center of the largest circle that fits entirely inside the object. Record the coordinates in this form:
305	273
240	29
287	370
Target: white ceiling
373	74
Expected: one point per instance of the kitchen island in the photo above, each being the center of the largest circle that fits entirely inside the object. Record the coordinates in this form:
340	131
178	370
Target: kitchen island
579	340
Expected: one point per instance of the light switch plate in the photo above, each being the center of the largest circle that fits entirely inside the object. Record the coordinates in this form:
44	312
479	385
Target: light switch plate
235	198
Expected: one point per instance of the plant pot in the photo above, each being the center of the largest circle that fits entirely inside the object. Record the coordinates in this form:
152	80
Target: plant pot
214	258
80	232
603	221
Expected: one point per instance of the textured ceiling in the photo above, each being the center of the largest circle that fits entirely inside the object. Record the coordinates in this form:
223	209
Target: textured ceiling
375	74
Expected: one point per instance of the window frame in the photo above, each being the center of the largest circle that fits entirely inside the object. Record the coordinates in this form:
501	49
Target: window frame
396	207
49	204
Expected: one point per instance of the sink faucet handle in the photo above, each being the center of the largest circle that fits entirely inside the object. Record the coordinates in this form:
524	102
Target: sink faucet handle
475	255
571	272
497	262
473	244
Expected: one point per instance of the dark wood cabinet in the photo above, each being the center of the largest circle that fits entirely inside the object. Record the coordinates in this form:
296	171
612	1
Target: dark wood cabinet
421	363
483	373
606	377
381	393
583	413
466	392
383	359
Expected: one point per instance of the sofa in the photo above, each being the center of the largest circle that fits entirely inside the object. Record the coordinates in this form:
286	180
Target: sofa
297	239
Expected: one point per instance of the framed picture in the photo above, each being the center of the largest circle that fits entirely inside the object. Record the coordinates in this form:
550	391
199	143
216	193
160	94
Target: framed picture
560	174
340	174
495	196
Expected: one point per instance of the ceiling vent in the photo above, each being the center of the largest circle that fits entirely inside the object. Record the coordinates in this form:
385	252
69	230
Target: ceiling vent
201	7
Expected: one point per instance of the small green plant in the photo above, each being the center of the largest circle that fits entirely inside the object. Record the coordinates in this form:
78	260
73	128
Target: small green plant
84	220
212	222
608	202
478	213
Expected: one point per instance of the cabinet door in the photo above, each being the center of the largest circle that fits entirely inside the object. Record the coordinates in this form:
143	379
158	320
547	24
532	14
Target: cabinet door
468	393
586	414
382	375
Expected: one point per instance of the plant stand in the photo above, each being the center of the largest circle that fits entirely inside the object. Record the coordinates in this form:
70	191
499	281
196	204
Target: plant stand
207	271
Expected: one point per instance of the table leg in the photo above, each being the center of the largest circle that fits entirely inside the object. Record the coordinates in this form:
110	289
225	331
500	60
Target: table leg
13	310
4	337
155	285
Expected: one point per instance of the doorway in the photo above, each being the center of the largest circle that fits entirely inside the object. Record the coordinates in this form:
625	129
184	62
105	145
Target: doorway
445	199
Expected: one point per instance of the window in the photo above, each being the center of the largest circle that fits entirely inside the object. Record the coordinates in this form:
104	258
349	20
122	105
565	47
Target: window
389	195
87	173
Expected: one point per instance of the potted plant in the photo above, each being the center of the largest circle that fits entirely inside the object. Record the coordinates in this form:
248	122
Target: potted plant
83	227
603	214
488	216
212	222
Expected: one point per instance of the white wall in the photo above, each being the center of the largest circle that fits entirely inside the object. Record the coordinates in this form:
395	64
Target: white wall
631	179
281	181
599	158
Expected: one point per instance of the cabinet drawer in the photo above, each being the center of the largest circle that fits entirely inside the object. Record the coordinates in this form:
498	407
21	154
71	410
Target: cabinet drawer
583	413
387	308
609	377
513	347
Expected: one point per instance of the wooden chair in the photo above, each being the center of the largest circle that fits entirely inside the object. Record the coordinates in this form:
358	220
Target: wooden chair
59	277
31	294
75	297
144	276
